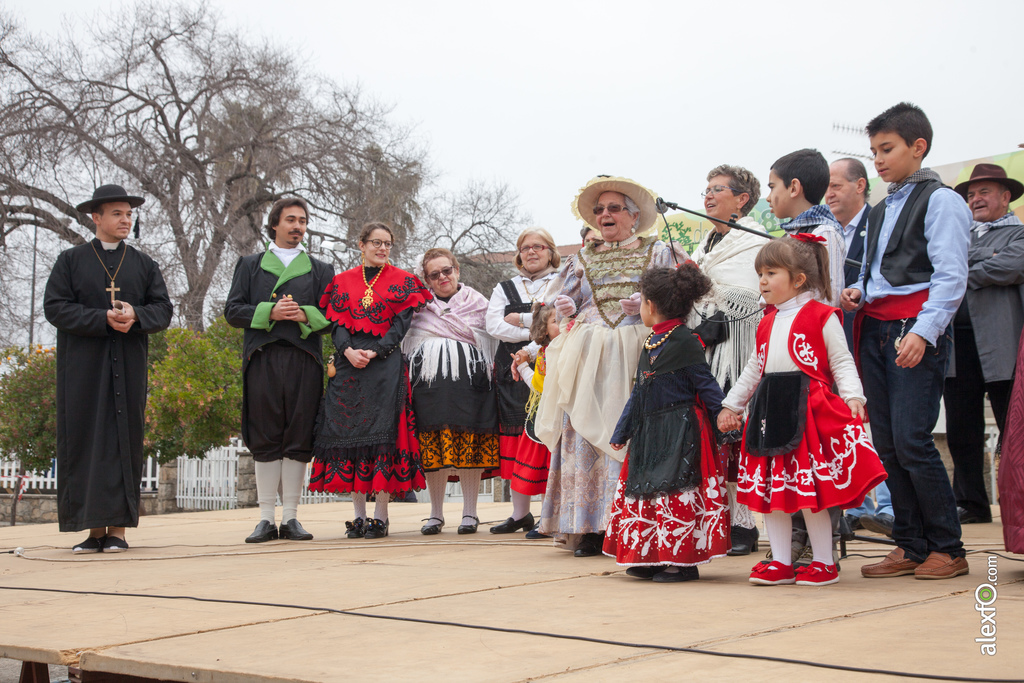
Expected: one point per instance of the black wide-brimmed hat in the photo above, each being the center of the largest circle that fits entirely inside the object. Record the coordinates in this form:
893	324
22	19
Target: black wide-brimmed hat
995	173
109	193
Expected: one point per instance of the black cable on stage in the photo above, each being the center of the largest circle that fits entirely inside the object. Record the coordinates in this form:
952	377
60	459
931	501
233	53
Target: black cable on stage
541	634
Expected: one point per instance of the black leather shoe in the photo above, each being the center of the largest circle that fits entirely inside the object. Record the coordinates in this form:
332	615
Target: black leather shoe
293	531
264	531
510	525
93	544
684	574
469	528
590	545
968	517
356	528
432	529
644	572
744	541
880	523
376	528
853	521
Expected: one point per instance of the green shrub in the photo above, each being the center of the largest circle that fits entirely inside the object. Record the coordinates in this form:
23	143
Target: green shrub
195	392
28	407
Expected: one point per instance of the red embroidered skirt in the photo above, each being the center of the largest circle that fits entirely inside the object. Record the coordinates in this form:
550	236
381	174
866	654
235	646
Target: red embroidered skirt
834	465
683	528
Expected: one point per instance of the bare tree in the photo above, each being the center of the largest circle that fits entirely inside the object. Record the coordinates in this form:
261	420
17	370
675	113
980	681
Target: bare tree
212	128
477	224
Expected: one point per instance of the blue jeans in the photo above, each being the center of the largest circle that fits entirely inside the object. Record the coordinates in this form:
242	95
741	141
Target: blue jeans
903	406
881	505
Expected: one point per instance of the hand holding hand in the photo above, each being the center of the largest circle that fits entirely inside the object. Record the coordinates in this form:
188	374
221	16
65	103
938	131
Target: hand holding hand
631	306
565	306
728	421
116	320
358	357
286	309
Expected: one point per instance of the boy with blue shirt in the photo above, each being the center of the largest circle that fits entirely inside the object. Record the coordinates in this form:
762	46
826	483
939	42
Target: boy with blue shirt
912	280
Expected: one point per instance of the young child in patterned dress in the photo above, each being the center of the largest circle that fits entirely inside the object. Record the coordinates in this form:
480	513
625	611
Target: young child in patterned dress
670	512
804	448
529	475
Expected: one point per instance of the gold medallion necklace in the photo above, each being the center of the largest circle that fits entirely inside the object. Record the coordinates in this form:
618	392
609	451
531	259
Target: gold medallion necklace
368	294
112	289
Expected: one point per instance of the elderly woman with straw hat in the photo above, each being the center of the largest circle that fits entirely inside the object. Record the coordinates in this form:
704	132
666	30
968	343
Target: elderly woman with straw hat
591	366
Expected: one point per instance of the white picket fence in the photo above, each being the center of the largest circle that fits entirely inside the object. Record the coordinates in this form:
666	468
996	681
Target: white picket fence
46	482
203	483
209	483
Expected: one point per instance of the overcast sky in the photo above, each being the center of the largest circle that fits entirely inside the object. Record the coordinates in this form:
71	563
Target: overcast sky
545	95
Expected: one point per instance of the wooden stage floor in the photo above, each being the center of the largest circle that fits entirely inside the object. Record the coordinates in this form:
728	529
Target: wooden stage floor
191	602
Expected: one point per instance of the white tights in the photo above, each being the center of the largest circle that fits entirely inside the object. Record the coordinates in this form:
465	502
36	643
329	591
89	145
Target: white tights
819	533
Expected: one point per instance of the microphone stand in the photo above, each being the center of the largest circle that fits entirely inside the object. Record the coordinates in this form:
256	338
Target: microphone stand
662	206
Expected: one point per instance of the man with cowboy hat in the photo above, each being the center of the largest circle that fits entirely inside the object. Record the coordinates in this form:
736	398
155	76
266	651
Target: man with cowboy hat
105	299
986	330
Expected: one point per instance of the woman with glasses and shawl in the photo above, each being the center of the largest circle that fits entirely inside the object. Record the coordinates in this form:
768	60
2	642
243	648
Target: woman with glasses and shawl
449	356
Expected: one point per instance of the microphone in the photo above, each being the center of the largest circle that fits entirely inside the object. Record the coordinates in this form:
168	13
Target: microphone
660	206
734	217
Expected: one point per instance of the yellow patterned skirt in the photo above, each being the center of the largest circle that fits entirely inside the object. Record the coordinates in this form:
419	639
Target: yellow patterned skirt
449	448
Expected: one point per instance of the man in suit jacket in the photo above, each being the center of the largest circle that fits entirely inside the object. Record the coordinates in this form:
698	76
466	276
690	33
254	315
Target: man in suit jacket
847	197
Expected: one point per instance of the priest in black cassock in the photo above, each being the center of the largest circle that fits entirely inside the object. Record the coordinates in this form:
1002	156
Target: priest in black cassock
275	298
105	299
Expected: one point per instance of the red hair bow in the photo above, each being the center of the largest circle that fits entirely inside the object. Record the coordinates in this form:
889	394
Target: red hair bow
808	237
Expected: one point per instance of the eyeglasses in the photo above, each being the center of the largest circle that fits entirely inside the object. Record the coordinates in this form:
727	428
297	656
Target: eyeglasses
718	188
436	275
533	247
377	244
612	208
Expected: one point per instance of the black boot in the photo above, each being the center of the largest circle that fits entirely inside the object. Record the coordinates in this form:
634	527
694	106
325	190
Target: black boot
744	541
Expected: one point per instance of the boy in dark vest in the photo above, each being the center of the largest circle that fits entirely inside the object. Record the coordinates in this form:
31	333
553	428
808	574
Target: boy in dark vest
913	278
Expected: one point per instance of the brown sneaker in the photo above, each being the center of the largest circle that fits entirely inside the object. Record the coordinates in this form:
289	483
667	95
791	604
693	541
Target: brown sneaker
941	566
894	564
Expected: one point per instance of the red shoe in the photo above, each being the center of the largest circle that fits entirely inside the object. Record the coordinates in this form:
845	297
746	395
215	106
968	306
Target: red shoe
817	574
773	574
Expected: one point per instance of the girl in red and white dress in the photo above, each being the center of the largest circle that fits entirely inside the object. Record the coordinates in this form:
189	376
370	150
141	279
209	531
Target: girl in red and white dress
804	448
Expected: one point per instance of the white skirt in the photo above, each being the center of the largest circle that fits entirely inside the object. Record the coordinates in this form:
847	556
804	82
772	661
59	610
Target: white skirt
590	373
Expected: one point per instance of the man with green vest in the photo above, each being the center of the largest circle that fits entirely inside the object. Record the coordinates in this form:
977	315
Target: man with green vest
274	297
